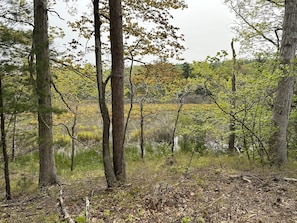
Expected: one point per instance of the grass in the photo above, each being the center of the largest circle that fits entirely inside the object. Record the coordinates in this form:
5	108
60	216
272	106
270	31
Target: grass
130	203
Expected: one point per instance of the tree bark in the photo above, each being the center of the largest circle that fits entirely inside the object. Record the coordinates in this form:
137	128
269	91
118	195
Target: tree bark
117	88
47	168
108	167
284	94
3	143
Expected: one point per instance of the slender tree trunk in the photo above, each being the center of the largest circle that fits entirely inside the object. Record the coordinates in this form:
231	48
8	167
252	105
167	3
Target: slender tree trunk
176	122
47	168
107	162
231	143
117	88
141	130
284	94
13	137
73	139
3	142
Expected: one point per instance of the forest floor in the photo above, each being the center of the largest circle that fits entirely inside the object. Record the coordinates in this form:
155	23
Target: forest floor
219	191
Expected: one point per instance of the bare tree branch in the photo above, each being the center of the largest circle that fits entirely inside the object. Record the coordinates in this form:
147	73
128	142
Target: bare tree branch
62	97
254	28
52	11
276	3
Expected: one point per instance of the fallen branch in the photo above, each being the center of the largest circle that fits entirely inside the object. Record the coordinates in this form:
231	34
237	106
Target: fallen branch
65	213
87	209
290	179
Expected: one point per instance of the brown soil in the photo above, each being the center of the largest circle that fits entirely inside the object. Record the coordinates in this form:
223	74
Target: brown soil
205	194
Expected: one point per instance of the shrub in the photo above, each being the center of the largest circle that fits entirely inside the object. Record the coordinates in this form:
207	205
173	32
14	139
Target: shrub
62	140
87	136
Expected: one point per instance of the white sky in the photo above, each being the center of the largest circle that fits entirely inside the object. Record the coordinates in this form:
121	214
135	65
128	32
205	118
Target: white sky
205	25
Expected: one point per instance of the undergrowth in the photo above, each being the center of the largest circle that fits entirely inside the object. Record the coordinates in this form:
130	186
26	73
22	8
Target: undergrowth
88	164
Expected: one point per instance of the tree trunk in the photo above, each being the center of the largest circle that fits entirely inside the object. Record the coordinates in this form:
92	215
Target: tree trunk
117	88
13	137
176	122
284	94
47	169
141	130
108	168
73	138
3	142
231	143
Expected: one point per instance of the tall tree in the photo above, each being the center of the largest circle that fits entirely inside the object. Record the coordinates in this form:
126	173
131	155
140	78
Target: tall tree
108	167
15	42
47	168
284	94
117	87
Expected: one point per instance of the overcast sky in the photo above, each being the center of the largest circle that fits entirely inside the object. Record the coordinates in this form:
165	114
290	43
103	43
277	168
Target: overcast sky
205	24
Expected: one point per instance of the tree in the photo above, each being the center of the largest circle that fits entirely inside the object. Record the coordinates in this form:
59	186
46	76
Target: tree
3	142
186	70
117	87
284	93
15	39
147	25
231	143
261	24
47	168
108	167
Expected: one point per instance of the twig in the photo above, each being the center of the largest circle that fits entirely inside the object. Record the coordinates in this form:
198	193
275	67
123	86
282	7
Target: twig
52	11
62	97
69	133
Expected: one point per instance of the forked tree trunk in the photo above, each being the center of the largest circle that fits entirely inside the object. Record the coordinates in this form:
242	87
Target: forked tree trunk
47	169
107	162
117	88
284	94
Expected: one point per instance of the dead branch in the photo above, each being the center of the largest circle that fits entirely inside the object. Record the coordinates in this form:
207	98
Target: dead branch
290	179
87	214
65	213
